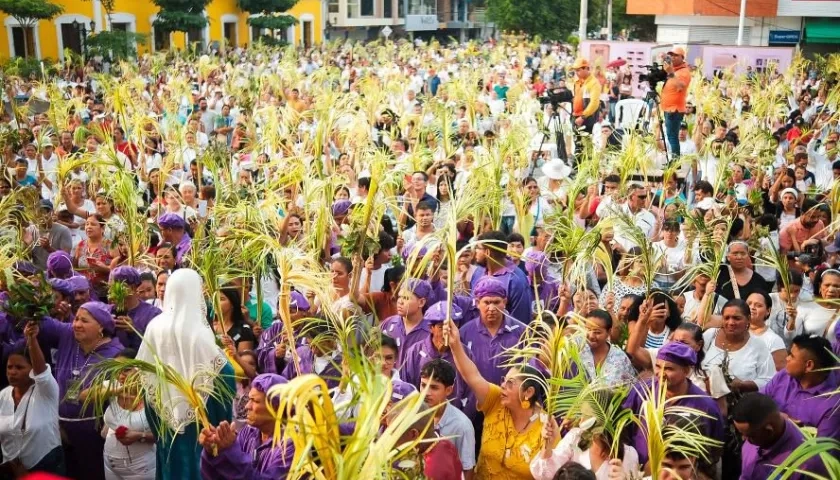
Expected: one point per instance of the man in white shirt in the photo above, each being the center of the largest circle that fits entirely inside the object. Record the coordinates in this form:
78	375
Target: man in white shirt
635	206
49	164
687	146
437	379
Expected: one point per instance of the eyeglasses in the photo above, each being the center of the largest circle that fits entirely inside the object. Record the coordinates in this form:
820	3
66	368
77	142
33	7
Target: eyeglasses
641	197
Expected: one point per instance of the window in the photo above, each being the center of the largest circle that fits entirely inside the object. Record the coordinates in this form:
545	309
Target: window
422	7
23	40
71	37
230	33
120	26
333	6
306	33
353	9
388	8
196	35
161	39
367	8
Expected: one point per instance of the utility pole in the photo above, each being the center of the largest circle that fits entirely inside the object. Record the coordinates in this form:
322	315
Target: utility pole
609	19
741	23
584	6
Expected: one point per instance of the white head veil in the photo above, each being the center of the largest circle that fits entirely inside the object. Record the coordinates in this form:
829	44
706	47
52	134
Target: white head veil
181	338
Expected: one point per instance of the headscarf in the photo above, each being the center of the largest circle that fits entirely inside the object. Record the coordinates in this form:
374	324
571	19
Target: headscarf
102	314
59	264
263	383
126	274
181	338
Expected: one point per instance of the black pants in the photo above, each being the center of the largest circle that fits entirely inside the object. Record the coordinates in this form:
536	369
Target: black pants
53	462
585	128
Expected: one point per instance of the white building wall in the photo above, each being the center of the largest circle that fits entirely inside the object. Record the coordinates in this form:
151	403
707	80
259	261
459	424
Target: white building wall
817	8
721	30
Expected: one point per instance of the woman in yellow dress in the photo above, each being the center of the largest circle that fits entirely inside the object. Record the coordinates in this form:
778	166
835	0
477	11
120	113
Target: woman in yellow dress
513	416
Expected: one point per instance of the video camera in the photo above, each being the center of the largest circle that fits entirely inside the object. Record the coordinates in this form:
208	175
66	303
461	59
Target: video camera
556	96
654	76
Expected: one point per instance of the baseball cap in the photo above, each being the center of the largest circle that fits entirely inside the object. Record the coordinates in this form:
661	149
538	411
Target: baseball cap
678	51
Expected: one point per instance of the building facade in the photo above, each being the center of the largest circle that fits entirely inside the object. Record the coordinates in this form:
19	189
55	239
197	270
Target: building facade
767	22
226	23
367	19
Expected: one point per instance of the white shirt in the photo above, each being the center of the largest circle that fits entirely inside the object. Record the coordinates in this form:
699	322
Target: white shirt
752	362
377	278
39	407
774	342
813	319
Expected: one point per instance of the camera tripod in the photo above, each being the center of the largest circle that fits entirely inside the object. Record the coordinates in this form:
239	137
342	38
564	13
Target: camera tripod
652	97
554	122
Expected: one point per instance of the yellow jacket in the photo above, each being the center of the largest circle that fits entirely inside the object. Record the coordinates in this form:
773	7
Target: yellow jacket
587	96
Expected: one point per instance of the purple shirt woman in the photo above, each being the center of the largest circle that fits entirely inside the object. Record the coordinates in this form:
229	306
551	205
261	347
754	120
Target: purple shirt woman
79	347
139	313
250	454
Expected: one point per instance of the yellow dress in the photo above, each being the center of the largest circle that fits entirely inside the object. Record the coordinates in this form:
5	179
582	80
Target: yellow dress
505	453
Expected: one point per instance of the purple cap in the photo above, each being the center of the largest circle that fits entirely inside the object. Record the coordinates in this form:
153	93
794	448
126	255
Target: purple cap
61	286
172	220
102	314
298	300
341	207
59	264
679	353
536	260
401	390
420	288
78	283
409	249
264	382
489	287
437	313
126	274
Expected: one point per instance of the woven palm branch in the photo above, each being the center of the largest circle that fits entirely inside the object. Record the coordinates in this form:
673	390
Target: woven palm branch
662	436
152	380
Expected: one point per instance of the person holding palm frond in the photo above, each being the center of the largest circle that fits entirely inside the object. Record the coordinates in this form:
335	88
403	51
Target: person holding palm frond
513	415
491	256
590	444
135	316
603	361
181	338
816	318
674	363
629	280
738	280
251	453
79	347
409	327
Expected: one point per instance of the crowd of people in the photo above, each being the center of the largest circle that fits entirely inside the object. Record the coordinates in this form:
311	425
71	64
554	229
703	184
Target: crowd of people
550	292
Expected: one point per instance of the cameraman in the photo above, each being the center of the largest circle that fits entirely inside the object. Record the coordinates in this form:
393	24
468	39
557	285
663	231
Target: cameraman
673	97
586	101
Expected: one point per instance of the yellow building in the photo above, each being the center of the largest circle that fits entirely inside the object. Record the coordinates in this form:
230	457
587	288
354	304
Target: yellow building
48	39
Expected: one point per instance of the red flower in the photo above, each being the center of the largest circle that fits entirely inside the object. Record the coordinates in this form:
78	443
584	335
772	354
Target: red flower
121	431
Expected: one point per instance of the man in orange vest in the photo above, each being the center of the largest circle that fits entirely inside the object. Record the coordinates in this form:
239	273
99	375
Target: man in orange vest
585	103
673	97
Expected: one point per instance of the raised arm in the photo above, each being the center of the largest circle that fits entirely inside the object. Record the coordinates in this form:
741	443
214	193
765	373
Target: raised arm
469	372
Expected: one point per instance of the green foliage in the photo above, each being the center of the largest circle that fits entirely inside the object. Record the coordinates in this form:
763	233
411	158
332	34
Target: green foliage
118	293
23	67
273	22
115	44
29	299
266	7
553	20
28	12
181	15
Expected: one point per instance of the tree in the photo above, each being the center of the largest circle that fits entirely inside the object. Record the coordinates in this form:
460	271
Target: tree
550	19
181	15
270	12
115	44
28	13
